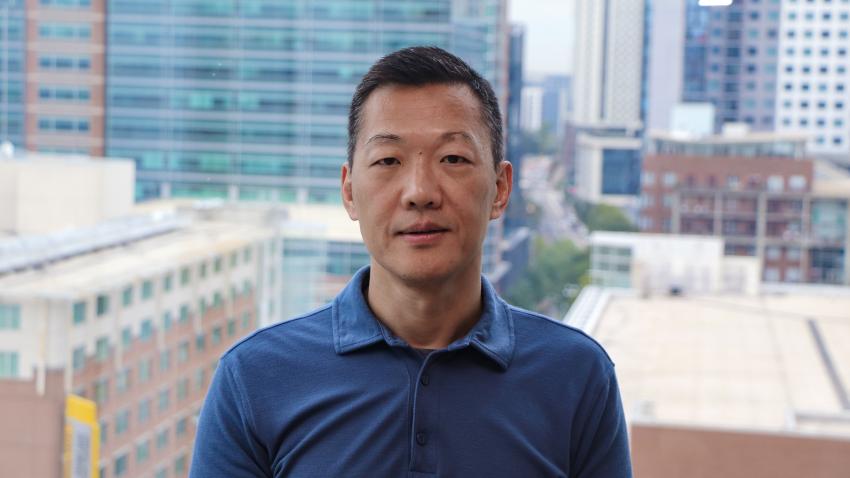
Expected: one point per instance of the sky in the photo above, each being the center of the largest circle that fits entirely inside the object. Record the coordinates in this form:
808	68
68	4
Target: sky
548	34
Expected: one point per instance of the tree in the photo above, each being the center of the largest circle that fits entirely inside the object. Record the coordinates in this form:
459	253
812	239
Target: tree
602	217
555	269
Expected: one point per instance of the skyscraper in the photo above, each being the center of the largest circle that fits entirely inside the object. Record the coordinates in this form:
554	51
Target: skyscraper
228	99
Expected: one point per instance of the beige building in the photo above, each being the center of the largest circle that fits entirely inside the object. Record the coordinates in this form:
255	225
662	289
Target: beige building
732	386
137	325
40	193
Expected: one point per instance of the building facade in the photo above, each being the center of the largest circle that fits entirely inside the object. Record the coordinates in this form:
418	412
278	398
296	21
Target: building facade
228	99
759	193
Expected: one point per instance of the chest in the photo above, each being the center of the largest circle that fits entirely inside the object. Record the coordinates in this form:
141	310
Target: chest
405	415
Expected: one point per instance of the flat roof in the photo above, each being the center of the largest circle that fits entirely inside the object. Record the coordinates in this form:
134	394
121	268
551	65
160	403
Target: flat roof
772	363
103	269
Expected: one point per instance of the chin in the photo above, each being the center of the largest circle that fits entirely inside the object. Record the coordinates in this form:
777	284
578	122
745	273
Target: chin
420	271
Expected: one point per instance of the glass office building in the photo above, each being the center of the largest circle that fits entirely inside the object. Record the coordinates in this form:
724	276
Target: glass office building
249	99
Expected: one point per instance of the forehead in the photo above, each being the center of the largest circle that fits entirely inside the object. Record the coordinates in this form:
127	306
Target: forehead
432	107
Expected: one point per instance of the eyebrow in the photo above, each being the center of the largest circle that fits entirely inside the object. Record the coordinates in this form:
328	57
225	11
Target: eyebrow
382	137
452	134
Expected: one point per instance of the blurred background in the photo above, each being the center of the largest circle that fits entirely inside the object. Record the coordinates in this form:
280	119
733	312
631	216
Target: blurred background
169	182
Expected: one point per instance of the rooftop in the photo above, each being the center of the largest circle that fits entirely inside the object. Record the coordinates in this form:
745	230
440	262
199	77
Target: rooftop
772	363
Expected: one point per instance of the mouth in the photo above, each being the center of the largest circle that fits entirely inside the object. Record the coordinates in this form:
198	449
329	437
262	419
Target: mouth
423	234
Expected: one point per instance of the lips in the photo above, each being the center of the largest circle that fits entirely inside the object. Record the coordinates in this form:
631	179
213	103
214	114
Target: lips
423	228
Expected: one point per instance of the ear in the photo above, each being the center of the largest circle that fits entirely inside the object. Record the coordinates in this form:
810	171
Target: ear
504	185
347	196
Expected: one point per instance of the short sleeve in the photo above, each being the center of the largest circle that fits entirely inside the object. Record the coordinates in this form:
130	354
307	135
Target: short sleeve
603	443
226	442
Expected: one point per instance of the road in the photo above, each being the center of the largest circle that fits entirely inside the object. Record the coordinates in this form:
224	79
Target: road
540	185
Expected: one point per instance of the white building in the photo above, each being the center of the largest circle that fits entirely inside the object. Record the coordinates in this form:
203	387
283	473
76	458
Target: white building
531	111
609	41
813	95
661	263
607	169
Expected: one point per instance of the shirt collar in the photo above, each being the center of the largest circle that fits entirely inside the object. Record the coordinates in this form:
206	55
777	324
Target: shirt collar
355	326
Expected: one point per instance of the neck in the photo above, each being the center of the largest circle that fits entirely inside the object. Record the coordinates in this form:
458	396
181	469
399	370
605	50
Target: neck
431	315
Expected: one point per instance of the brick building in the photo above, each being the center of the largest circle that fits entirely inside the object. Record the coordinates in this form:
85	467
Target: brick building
757	191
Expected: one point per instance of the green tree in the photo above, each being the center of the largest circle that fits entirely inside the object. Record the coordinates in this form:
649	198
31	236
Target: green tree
555	270
602	217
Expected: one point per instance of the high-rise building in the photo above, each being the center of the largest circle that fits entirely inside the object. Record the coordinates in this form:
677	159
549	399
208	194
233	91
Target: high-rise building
608	70
813	94
228	99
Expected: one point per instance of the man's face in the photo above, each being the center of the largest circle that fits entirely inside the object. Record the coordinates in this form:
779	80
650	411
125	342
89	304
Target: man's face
423	184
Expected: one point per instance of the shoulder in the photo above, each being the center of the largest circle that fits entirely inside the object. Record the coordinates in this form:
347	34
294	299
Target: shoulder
544	334
307	331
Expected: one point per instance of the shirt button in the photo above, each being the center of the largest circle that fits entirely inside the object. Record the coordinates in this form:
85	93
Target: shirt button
425	379
421	438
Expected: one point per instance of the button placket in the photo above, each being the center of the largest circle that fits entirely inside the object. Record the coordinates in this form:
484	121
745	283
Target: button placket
425	414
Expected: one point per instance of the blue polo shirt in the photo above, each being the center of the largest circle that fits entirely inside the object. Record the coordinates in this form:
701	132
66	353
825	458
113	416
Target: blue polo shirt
335	394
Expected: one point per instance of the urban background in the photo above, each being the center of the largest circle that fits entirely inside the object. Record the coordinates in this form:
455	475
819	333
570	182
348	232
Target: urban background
169	182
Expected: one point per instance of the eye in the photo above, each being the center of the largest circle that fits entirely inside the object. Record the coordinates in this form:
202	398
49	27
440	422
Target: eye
455	159
388	161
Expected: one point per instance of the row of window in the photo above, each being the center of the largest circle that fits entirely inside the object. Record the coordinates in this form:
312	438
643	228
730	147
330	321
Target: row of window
277	39
63	125
103	348
808	51
121	464
809	34
64	62
64	31
254	132
65	3
810	15
64	93
215	266
343	10
773	183
197	99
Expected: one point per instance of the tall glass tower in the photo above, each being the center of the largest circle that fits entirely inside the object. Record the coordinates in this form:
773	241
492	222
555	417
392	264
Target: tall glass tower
248	99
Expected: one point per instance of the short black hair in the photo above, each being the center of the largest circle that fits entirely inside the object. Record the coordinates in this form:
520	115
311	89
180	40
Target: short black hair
420	66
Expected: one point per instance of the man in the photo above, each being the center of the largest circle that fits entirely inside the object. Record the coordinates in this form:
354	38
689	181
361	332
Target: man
417	368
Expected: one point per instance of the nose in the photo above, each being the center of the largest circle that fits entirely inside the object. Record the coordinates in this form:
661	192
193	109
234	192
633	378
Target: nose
422	189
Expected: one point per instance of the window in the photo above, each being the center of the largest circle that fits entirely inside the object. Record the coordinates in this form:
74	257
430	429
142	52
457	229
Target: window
184	314
200	378
79	312
126	337
121	465
147	289
145	370
669	179
78	358
143	451
180	427
166	283
146	331
231	327
185	276
183	352
797	182
775	183
101	350
202	270
164	360
246	320
122	421
182	391
200	342
773	253
166	321
101	391
217	264
127	296
102	305
162	439
122	380
163	400
9	365
10	317
246	255
180	465
216	336
144	410
234	258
